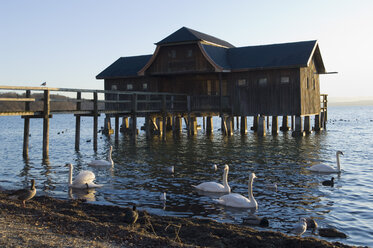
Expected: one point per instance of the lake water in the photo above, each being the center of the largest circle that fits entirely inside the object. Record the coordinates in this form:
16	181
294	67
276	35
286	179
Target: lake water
139	177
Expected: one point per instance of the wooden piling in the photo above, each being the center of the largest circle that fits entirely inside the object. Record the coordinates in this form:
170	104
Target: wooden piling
95	119
178	124
274	125
307	125
317	123
46	112
243	125
77	121
26	130
116	131
261	126
285	125
298	129
255	123
209	125
134	118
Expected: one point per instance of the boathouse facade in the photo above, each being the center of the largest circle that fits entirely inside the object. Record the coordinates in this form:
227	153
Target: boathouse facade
265	80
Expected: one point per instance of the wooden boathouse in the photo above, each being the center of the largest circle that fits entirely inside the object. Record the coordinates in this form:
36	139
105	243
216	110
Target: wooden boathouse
227	81
191	75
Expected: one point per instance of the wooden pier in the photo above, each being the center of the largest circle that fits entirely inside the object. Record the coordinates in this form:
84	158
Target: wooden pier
162	112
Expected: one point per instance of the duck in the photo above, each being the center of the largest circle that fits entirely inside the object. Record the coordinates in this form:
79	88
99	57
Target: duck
324	168
239	201
329	182
214	167
24	194
84	180
216	187
311	224
170	169
254	220
163	197
131	216
103	163
300	227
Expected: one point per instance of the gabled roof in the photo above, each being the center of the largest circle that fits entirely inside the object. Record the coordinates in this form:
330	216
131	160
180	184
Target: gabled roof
124	67
186	35
296	54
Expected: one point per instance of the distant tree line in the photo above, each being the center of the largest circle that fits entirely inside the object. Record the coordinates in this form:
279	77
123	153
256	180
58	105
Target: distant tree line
7	106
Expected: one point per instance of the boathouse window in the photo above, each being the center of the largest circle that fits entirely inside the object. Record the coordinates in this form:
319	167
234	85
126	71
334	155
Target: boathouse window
307	84
114	87
285	80
144	86
129	86
313	83
209	87
190	53
262	81
172	54
242	82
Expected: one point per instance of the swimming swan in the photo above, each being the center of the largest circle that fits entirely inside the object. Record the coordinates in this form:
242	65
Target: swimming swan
103	163
216	187
239	201
327	168
83	180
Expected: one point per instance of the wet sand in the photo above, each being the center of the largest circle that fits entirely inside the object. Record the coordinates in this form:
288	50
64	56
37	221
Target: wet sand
49	222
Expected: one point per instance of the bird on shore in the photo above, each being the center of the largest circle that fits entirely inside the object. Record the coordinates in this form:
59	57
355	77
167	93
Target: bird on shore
131	215
300	227
216	187
103	163
311	224
24	194
328	182
83	180
239	201
254	220
324	168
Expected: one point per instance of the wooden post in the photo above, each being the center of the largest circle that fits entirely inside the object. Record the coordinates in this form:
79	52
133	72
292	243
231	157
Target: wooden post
125	124
189	107
116	128
255	123
317	123
204	123
285	124
262	126
307	125
77	121
26	130
243	125
237	121
274	125
46	112
268	122
194	126
95	119
230	125
134	118
148	125
223	127
298	131
160	126
292	122
164	117
209	125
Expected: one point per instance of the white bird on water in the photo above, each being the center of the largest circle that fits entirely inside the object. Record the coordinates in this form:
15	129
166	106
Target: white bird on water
216	187
327	168
103	163
239	201
84	180
300	227
214	167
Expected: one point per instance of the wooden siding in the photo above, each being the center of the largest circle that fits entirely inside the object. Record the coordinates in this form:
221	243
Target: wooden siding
273	98
310	94
179	59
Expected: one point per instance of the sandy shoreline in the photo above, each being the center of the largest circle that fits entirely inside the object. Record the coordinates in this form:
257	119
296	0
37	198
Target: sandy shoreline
49	222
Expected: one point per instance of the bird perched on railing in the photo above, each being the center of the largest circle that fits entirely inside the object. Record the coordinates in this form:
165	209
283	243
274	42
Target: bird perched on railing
24	194
44	84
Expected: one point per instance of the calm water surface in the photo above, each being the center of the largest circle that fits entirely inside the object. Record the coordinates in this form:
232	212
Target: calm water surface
139	175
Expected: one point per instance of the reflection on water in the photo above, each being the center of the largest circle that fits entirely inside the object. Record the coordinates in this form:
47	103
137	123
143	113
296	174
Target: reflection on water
82	194
140	174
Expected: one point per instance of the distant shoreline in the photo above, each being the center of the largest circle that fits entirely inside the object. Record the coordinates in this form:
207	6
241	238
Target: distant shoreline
350	103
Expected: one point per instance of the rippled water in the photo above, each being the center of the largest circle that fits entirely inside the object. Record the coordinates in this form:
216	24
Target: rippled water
139	175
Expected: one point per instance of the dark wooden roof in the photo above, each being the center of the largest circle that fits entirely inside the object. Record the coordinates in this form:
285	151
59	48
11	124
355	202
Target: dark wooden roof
125	67
226	57
186	35
296	54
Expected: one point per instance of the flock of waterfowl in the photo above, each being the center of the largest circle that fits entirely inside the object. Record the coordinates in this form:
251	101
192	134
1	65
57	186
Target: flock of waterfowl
85	180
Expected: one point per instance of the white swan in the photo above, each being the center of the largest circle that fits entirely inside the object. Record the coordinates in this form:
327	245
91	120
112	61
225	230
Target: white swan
239	201
300	227
83	180
216	187
327	168
103	163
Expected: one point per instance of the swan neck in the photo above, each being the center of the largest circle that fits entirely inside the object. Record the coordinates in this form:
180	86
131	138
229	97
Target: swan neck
338	164
225	179
109	157
70	175
250	189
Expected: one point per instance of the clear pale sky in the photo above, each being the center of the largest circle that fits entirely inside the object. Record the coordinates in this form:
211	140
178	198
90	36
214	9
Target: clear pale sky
67	43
